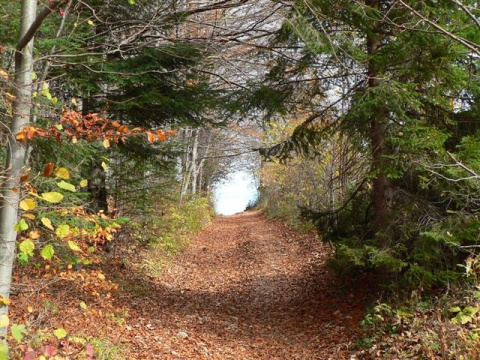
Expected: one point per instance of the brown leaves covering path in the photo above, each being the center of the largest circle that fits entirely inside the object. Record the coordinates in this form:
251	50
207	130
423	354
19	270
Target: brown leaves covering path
246	288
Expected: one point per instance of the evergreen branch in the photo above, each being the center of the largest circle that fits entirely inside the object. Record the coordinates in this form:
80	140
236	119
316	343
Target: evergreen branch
468	12
278	150
470	45
462	165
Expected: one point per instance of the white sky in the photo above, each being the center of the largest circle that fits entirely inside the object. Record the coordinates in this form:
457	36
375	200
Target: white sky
233	195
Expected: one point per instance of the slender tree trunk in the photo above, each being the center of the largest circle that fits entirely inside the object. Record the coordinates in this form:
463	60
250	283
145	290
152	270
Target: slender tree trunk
15	154
381	185
194	171
43	76
186	168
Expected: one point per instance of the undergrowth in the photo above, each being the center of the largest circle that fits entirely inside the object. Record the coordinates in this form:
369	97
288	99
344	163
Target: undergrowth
167	234
445	325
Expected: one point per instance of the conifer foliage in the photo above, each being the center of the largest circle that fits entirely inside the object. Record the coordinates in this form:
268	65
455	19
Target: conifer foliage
397	81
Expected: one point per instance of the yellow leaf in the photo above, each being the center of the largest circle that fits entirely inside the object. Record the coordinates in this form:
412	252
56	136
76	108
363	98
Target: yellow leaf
4	301
62	173
106	143
90	22
4	74
28	204
74	102
34	234
101	276
53	197
66	186
30	309
104	166
62	231
4	321
47	223
84	183
73	245
54	99
28	216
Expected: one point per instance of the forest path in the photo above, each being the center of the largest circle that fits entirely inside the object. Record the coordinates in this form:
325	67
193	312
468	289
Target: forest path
246	288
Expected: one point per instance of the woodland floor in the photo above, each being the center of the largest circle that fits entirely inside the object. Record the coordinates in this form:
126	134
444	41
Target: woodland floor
245	288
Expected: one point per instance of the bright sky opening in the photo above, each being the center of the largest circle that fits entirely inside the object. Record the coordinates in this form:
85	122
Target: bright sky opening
232	195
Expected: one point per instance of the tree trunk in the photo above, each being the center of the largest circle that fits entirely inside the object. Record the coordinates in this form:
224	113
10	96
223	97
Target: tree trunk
15	155
381	184
194	171
186	164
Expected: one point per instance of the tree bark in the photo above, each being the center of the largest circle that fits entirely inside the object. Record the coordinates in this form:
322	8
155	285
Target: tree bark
16	152
381	184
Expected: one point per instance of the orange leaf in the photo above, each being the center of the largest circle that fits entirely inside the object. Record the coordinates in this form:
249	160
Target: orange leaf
21	136
150	137
10	96
161	135
123	129
34	234
30	134
48	170
115	124
24	177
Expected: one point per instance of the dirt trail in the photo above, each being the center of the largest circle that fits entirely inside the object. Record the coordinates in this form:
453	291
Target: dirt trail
246	288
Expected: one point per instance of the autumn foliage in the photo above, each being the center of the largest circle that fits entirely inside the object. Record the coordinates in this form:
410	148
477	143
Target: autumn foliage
90	127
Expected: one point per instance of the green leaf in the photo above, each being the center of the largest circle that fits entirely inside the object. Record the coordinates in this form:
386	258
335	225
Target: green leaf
60	333
470	310
132	2
53	197
83	306
27	246
455	309
66	186
4	351
47	252
461	318
21	226
73	245
18	330
62	231
23	259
